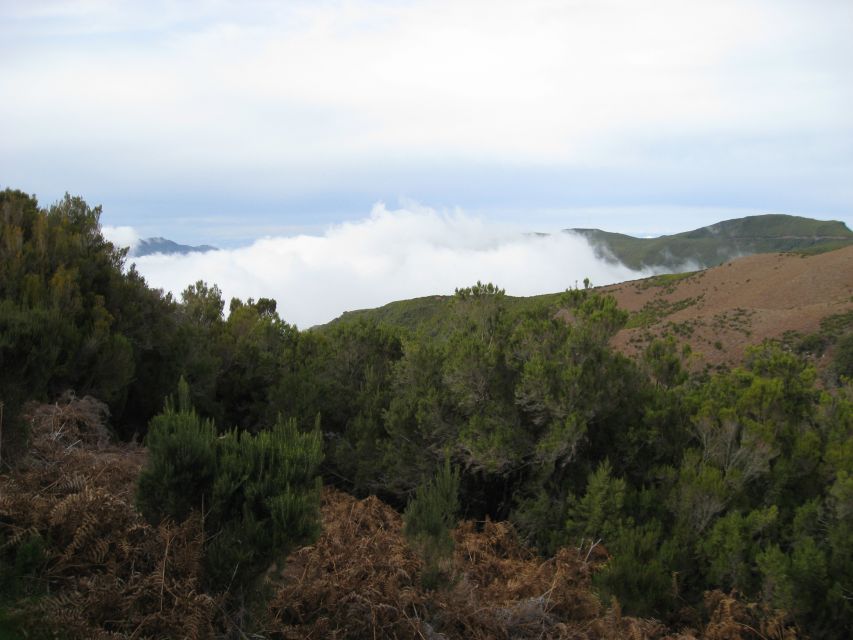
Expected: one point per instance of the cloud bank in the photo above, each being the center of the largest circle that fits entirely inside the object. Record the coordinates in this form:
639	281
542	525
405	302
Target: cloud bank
390	255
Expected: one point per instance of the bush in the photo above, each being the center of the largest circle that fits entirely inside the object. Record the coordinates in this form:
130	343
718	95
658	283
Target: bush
637	574
843	361
429	519
259	495
181	462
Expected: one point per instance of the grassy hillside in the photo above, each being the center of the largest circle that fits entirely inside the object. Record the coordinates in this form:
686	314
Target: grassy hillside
717	243
433	314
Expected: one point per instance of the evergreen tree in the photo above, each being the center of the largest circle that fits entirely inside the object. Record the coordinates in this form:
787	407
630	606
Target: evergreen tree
259	494
429	520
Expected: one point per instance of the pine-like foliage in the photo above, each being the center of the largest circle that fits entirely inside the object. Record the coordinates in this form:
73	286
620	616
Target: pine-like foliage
431	517
181	462
265	499
259	494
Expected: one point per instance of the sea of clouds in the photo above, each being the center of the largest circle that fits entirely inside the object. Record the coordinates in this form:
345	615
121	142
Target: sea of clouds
390	255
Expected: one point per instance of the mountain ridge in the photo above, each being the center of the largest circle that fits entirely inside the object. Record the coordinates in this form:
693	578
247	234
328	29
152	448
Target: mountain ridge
158	244
717	243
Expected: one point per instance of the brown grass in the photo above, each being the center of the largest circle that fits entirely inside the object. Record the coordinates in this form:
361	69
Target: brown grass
722	310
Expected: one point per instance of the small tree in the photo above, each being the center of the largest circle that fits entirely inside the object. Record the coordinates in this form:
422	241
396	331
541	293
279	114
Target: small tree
429	520
260	494
181	461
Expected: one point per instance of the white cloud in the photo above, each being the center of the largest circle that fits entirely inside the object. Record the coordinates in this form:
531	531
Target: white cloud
273	87
121	236
390	255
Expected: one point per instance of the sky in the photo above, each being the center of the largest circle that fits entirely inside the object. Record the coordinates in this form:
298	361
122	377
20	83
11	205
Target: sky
239	123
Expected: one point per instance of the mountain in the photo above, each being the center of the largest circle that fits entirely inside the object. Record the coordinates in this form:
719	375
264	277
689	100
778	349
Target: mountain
717	243
150	246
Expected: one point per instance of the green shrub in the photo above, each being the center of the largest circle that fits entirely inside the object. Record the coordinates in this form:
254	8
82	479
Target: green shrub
181	462
637	573
260	494
429	520
843	360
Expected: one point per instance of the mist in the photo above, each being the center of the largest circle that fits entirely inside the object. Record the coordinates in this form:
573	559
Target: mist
389	255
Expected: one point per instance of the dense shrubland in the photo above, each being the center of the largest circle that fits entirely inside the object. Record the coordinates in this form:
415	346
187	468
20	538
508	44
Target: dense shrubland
663	488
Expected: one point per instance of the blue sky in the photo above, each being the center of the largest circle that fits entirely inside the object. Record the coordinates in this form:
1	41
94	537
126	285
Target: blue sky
225	121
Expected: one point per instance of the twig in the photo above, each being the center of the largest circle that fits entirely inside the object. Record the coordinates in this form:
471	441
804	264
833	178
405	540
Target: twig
163	575
591	547
228	588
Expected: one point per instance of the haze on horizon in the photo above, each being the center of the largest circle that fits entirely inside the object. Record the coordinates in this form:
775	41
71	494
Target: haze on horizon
226	123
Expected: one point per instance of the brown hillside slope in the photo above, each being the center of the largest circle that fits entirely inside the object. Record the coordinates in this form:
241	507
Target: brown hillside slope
722	310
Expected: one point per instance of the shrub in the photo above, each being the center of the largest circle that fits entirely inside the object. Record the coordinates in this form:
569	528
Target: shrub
259	494
429	519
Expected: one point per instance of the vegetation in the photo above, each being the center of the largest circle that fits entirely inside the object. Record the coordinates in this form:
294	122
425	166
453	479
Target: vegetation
713	504
259	494
430	519
717	243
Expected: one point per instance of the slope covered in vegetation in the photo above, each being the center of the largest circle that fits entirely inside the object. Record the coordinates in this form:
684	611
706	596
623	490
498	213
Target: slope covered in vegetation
717	243
650	500
804	301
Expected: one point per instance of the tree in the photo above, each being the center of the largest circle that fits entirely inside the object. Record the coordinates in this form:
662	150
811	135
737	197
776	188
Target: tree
429	520
259	494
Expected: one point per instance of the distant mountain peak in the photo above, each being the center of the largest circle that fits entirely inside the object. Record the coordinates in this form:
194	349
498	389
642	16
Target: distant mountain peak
150	246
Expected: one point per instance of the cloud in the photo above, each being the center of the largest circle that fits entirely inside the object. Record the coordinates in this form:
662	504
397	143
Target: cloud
182	109
271	89
390	255
121	236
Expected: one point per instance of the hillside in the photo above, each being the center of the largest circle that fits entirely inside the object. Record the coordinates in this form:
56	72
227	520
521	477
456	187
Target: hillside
712	245
362	578
717	311
722	310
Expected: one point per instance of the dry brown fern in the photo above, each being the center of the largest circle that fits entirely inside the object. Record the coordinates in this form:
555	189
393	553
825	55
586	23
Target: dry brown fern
733	619
108	573
361	580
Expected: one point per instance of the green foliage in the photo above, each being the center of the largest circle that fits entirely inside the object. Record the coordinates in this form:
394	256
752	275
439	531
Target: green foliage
345	373
72	317
429	520
732	544
597	516
663	362
259	495
637	573
20	570
842	363
181	462
715	244
264	500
